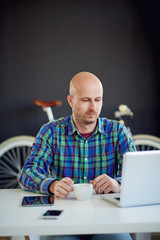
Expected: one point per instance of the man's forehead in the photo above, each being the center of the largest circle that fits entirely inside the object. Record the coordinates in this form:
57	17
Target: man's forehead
90	97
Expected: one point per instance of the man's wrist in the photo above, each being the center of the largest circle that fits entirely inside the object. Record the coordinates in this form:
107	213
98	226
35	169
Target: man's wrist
118	186
51	186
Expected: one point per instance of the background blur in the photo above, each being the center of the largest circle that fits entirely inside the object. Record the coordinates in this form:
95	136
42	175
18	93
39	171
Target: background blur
44	43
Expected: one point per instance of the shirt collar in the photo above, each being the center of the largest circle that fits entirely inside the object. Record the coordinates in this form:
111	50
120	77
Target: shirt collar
99	128
71	128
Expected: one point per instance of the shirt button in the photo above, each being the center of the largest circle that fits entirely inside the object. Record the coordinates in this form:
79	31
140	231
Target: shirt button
86	159
85	177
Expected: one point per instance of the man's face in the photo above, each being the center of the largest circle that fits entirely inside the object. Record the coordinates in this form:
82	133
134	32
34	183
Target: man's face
86	103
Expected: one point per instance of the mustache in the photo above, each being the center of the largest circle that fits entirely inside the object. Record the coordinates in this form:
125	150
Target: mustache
91	112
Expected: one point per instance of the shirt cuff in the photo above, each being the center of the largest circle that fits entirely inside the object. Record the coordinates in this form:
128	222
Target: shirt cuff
118	179
45	185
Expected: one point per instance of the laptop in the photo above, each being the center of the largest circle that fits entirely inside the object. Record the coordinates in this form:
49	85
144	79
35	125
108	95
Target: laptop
140	183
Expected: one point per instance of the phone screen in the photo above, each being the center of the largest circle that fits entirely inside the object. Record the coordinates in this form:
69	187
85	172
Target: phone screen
55	214
38	200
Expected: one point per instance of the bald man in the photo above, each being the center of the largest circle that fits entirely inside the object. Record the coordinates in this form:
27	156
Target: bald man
81	148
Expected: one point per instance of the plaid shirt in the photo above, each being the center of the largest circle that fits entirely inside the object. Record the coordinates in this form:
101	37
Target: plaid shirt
61	151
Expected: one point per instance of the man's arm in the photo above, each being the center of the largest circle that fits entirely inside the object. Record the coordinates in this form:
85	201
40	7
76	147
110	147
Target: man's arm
106	184
124	144
37	173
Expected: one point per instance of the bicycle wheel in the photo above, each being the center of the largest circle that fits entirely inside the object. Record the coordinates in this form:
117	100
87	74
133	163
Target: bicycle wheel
13	153
145	142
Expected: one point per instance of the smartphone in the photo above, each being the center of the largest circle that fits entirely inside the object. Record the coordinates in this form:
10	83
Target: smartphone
52	214
29	201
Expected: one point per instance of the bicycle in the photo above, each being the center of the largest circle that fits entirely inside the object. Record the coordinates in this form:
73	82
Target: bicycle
143	142
14	151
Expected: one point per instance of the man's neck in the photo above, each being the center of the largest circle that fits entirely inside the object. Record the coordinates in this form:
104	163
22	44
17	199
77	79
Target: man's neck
85	128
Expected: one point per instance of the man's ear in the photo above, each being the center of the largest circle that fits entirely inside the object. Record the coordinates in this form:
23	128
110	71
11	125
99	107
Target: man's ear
69	99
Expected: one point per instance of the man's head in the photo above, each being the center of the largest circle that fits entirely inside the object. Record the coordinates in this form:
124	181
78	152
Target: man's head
85	98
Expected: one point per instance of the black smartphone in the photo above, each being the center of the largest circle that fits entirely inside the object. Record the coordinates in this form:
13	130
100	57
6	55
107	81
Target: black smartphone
46	200
52	214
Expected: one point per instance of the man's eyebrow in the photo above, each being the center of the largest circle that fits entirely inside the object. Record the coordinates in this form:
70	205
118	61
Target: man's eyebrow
99	98
84	97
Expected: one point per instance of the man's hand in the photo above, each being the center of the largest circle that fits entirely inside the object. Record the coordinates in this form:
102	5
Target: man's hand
105	184
61	188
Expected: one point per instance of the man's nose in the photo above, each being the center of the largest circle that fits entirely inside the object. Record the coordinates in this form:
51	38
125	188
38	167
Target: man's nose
92	105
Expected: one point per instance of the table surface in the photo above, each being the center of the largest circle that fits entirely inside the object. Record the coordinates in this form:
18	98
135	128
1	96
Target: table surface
94	216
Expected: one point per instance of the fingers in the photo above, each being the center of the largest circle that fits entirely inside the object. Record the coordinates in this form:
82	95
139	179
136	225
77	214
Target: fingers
67	180
63	187
100	183
105	184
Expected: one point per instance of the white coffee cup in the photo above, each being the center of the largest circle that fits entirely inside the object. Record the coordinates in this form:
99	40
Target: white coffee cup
83	191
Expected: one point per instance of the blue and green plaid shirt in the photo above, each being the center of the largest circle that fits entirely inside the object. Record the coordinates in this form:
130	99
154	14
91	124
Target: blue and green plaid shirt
61	151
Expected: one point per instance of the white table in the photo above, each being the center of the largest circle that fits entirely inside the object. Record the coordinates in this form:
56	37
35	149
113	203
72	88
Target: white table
94	216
